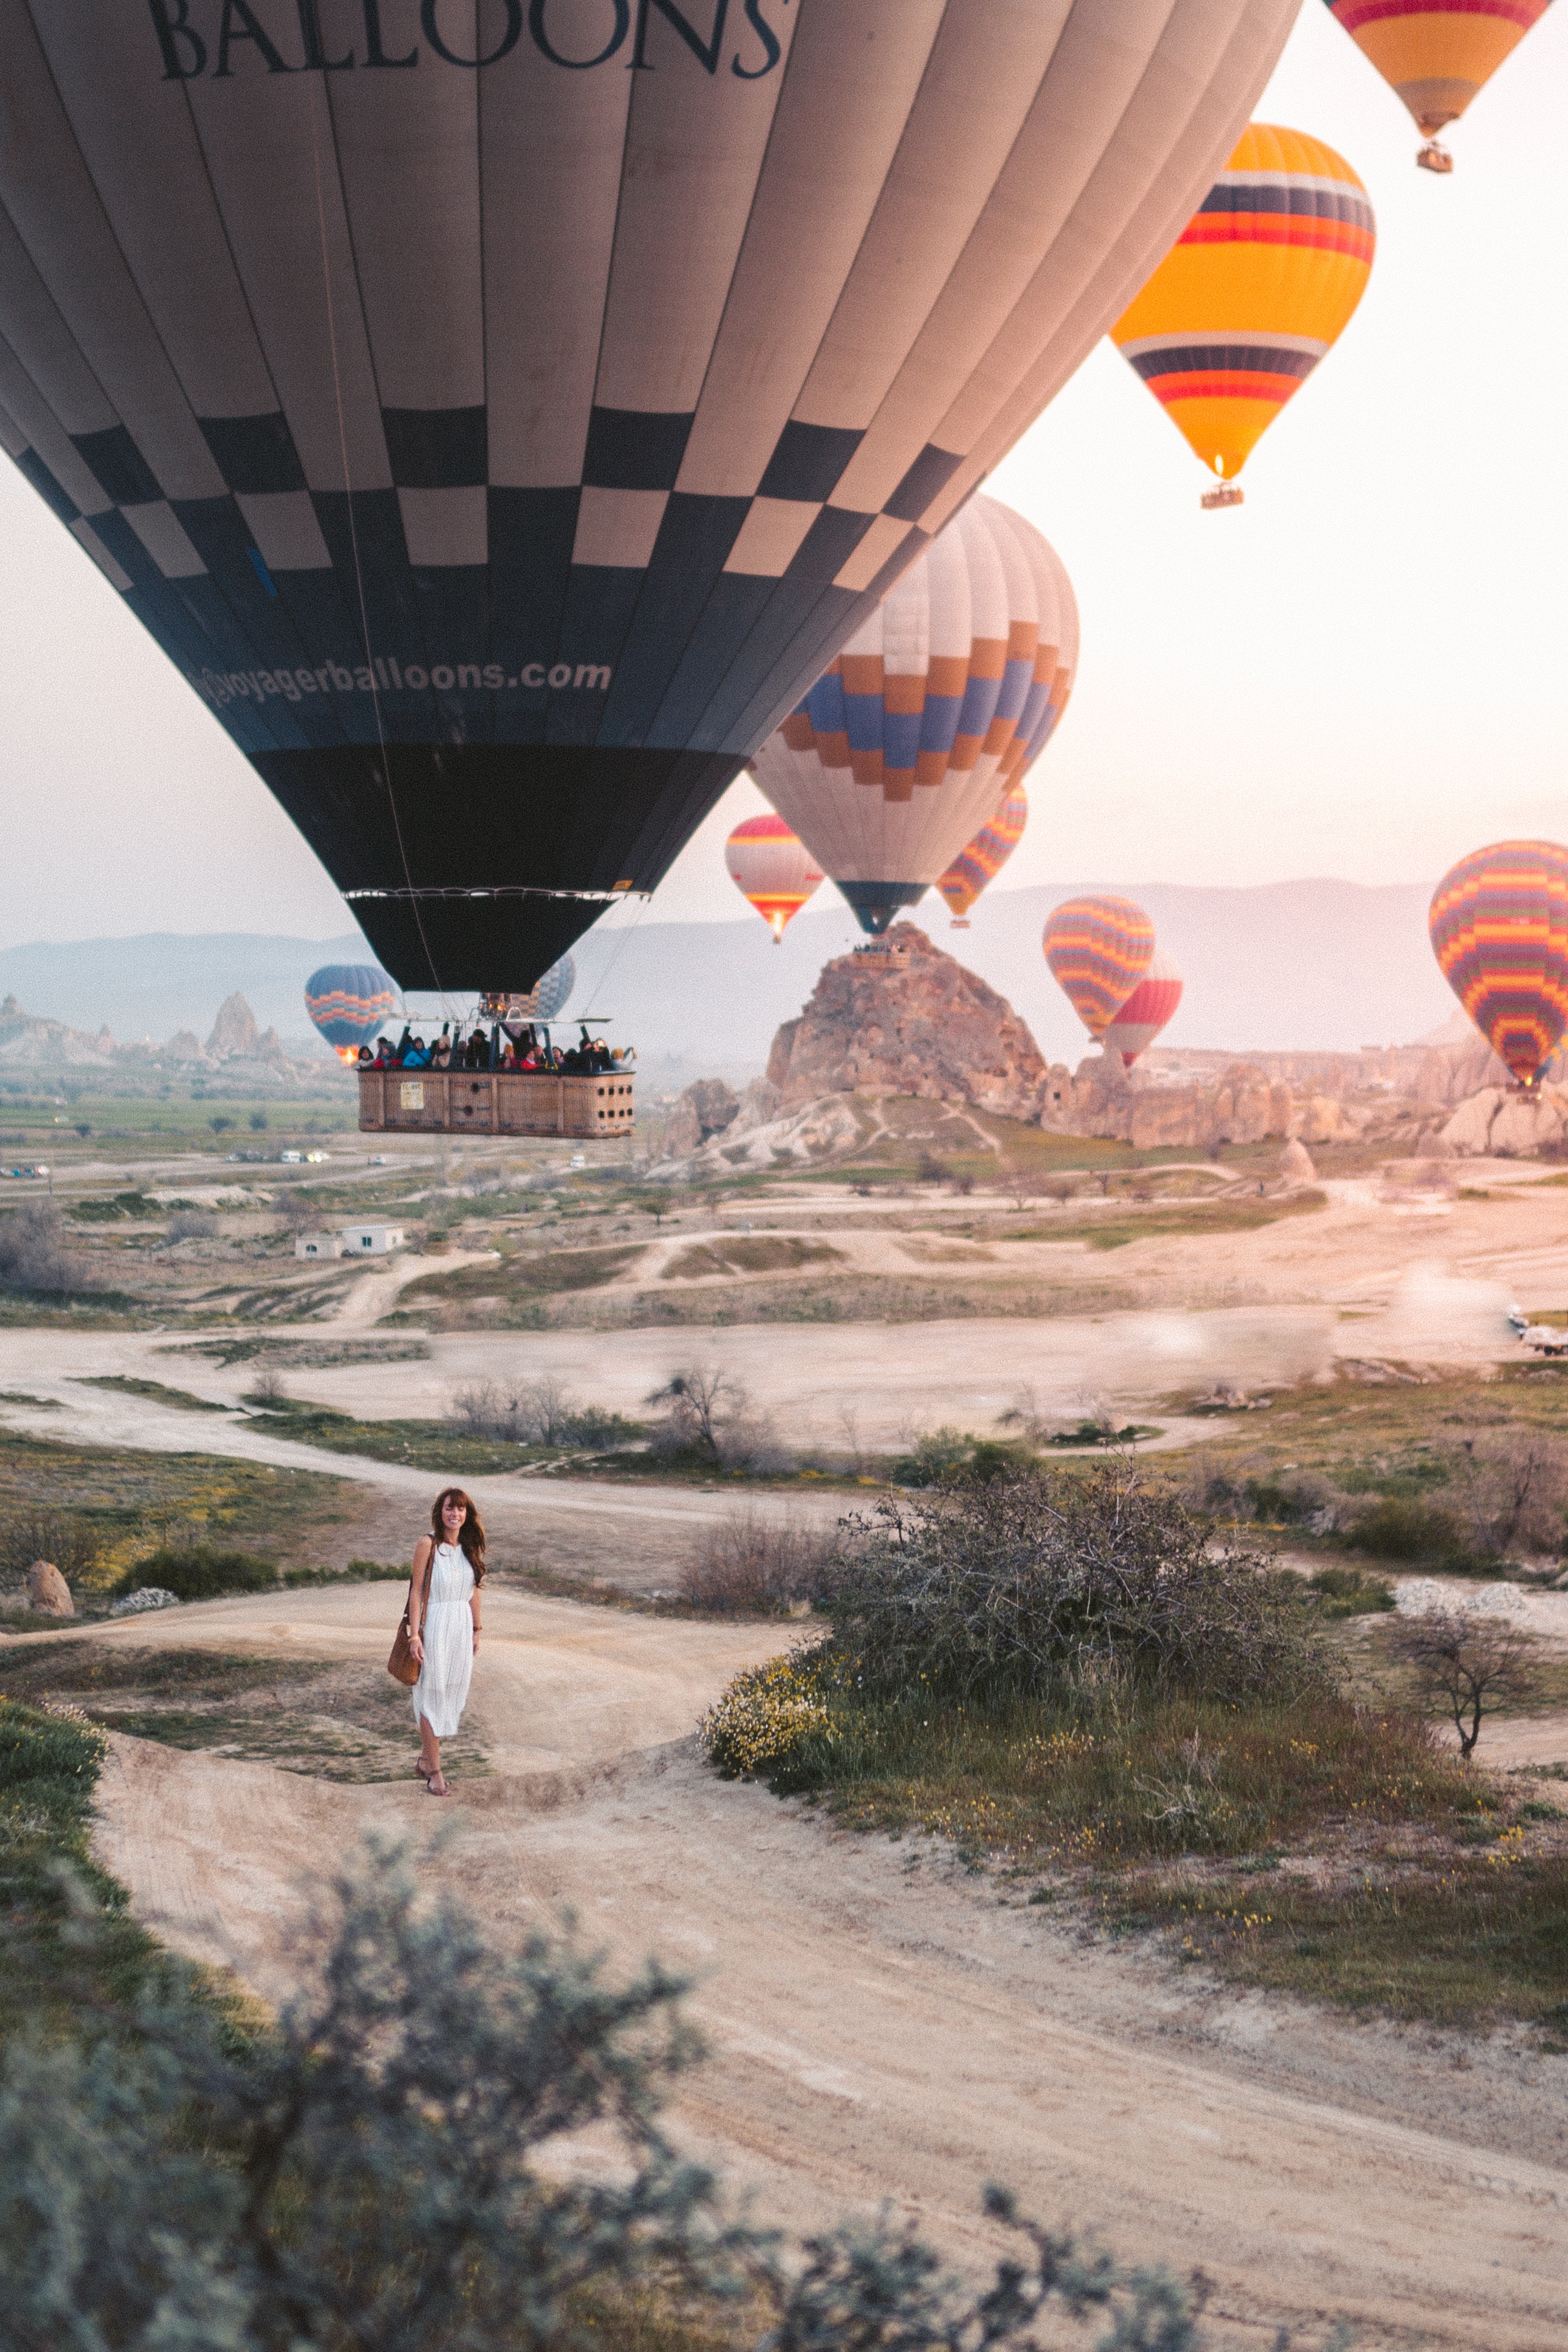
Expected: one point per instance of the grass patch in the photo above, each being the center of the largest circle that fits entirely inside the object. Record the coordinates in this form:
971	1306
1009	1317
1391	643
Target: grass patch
128	1501
522	1276
122	1383
1189	1218
432	1445
196	1572
100	1208
758	1254
38	1405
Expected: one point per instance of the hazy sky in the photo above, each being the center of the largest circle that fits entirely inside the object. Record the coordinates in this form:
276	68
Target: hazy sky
1361	672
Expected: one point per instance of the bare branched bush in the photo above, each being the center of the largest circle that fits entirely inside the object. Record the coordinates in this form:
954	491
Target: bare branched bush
1041	1584
298	1213
35	1255
193	1225
72	1545
708	1415
1467	1665
268	1392
749	1565
1514	1491
541	1414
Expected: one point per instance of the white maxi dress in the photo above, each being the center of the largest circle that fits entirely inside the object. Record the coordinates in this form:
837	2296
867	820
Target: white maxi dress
441	1693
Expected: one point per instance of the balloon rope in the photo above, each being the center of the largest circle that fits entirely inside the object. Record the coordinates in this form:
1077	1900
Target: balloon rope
354	543
626	935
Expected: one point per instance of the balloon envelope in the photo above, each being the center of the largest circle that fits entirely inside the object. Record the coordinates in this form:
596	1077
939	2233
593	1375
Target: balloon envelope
773	870
896	757
1150	1006
986	855
349	1003
1262	280
1098	949
1498	927
499	414
548	999
1436	58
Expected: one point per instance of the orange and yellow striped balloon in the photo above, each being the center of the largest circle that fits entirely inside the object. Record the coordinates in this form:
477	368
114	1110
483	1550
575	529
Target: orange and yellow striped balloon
1498	927
985	857
1262	280
1436	56
1098	950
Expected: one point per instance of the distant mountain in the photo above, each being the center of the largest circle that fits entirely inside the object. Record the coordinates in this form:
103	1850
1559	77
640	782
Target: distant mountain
1289	965
161	981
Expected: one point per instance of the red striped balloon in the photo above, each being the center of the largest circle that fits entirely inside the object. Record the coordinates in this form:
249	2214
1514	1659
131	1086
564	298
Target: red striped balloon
773	870
1147	1011
985	857
1498	927
1098	950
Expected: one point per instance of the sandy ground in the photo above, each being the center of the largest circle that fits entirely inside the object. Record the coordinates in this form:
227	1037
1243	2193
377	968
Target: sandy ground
884	2027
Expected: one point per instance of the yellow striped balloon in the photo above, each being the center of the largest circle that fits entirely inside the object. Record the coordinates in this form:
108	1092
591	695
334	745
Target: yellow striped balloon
1262	280
985	857
1098	950
1498	927
1436	53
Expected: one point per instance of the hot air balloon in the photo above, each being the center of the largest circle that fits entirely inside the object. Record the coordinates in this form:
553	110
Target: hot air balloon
1262	280
500	414
1146	1011
773	870
1498	927
1098	950
895	758
349	1003
1436	53
547	997
985	857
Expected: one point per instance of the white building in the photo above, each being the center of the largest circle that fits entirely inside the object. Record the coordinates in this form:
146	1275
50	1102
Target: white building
371	1241
319	1245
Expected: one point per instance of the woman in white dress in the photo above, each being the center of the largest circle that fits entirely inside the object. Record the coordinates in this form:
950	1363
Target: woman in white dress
448	1567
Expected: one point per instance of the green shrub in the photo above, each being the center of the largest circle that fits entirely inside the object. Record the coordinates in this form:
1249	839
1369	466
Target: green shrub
1350	1592
197	1572
1399	1528
764	1716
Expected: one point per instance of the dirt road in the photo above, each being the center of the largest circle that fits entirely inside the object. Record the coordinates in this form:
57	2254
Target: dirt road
887	2027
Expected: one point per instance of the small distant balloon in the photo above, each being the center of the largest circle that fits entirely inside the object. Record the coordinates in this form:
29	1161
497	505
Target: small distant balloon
1098	949
773	870
1148	1010
1498	928
1260	285
349	1003
1436	56
985	857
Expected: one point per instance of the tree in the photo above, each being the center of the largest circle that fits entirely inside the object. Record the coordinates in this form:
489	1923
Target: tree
220	1126
1468	1664
258	1122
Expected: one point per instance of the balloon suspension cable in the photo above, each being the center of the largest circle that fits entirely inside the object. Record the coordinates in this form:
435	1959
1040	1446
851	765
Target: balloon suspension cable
1223	494
1435	157
354	543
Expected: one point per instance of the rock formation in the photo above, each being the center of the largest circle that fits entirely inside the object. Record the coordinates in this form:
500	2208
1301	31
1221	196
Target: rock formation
903	1017
1242	1105
48	1592
707	1109
1502	1123
1296	1164
235	1030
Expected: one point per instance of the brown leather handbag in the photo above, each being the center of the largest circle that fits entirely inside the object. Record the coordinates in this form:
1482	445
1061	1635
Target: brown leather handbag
402	1665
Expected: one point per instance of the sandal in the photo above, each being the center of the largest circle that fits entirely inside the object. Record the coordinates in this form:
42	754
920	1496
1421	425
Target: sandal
437	1786
422	1773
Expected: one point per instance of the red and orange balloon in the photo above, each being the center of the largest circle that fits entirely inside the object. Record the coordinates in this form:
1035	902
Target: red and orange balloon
1498	927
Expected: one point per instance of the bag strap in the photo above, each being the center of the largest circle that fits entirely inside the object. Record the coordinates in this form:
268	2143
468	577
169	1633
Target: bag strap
425	1606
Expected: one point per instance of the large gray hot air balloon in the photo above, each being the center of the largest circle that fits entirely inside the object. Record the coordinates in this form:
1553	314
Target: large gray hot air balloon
500	410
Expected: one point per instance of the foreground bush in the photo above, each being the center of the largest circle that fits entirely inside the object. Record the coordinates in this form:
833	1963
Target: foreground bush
386	2169
1041	1585
197	1572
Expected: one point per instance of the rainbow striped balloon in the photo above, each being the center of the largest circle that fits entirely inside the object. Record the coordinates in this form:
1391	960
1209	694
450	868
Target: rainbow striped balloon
985	856
1098	950
1498	927
1262	281
349	1003
1436	56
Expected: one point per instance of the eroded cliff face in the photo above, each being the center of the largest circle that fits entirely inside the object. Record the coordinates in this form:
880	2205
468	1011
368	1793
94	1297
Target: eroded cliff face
905	1018
1243	1106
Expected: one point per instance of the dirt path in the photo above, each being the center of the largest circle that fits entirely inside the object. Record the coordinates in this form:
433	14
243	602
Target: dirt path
887	2029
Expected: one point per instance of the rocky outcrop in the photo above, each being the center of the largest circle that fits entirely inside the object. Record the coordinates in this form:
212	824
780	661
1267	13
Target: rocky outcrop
707	1109
1296	1164
30	1042
1502	1123
235	1030
903	1017
1243	1106
48	1592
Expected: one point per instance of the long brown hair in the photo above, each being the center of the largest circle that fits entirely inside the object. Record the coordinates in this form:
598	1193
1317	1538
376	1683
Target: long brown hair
471	1535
